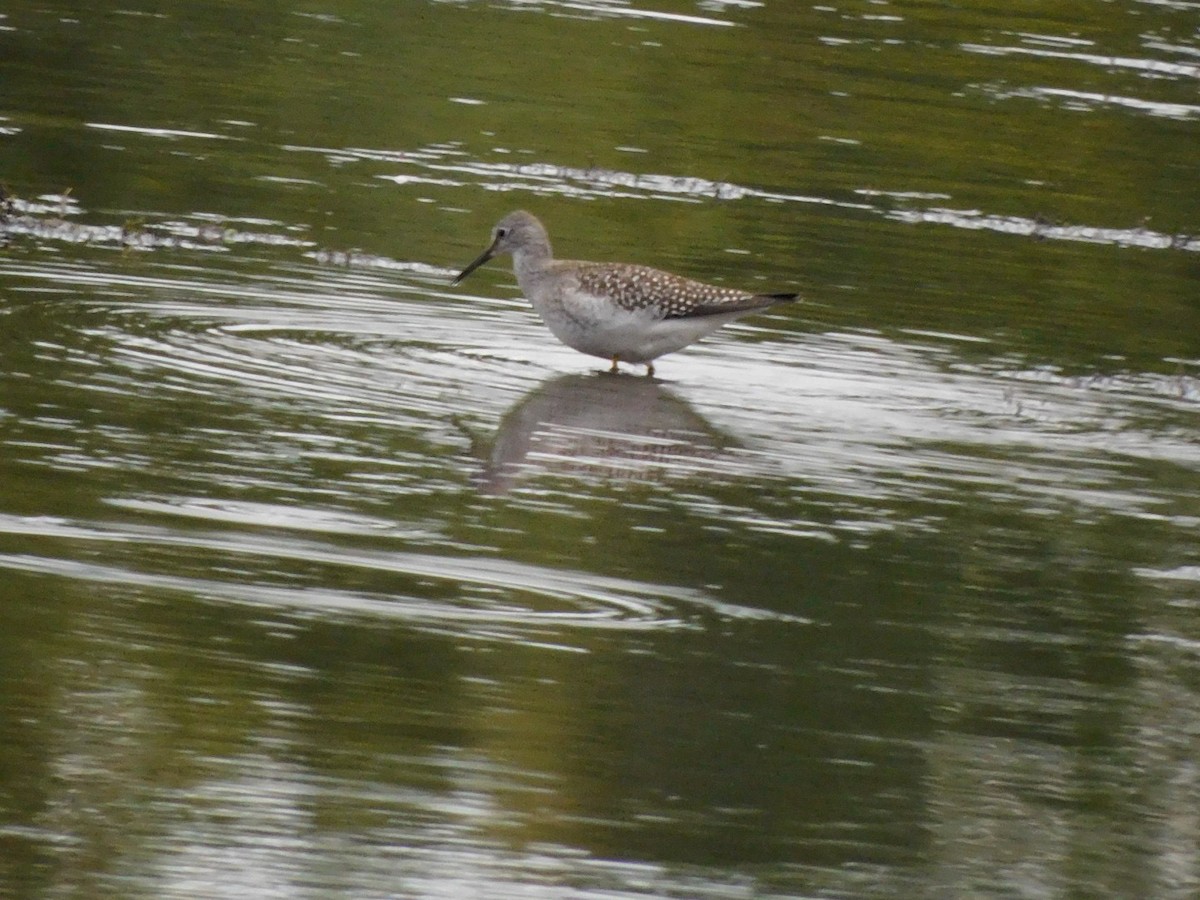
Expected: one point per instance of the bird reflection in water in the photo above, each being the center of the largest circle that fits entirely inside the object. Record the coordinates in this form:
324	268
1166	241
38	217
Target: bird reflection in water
600	427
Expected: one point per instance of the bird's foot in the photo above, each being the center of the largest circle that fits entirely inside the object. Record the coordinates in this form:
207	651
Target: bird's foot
649	370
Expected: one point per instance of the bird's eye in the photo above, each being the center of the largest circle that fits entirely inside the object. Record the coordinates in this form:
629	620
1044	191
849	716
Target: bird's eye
501	232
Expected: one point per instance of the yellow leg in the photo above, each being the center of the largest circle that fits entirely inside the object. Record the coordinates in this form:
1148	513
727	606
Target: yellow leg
614	370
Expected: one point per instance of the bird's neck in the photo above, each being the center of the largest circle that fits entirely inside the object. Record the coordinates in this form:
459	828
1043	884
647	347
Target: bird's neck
530	260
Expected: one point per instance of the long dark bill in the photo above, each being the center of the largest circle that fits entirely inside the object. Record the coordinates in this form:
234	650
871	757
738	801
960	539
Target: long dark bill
483	257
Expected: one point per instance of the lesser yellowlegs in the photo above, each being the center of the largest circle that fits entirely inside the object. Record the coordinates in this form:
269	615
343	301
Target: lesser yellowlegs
620	312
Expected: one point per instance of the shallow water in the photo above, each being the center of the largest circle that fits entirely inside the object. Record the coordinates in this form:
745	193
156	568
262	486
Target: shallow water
321	577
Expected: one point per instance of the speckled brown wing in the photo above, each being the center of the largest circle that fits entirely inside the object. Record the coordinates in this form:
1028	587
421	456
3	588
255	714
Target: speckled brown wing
744	303
635	288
